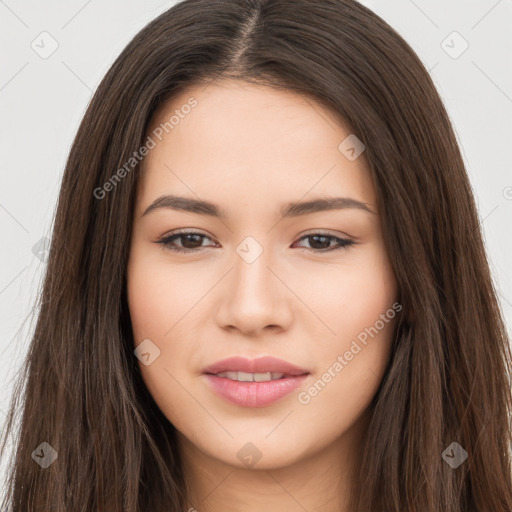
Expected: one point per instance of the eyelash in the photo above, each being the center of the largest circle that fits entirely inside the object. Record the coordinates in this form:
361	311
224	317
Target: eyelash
165	242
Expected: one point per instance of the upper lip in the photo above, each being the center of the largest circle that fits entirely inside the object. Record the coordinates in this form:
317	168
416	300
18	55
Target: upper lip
260	365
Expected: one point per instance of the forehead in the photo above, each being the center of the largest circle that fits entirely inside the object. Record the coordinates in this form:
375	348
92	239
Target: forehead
247	141
280	118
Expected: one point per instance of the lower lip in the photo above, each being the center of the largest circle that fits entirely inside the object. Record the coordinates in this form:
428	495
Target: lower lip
254	394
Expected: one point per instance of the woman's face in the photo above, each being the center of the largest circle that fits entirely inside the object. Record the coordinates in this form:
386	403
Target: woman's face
248	283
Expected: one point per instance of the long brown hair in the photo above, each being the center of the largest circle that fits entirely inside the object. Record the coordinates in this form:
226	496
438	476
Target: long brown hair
448	380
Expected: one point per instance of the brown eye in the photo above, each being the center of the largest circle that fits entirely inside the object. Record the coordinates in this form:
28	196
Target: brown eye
190	241
320	242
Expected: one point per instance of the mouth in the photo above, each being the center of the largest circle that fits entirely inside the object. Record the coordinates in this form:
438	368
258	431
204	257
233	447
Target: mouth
261	368
252	377
254	383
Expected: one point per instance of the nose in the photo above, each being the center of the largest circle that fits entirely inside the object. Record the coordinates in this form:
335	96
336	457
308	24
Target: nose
254	298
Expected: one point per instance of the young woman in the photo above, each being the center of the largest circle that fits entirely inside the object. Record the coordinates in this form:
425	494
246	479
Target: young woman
267	287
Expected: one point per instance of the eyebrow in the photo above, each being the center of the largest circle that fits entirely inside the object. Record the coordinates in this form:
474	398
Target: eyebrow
293	209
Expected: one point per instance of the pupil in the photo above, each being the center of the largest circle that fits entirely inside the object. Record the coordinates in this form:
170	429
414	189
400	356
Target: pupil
316	237
187	238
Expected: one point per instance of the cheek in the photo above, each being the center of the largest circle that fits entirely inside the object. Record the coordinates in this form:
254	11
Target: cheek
151	301
369	292
350	369
161	300
358	307
158	296
347	296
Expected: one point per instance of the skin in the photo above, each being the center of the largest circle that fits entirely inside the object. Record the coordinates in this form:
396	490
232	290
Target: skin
250	149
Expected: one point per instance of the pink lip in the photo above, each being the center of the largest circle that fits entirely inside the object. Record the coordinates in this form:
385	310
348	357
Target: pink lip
254	394
260	365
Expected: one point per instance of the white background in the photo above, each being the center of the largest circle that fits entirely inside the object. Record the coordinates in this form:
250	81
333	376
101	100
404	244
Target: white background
42	102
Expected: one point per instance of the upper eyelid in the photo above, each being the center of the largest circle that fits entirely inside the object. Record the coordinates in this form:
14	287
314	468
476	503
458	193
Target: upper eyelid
343	239
309	233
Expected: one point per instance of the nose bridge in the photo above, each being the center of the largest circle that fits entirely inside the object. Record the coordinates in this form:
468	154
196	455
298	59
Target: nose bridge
254	297
252	277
